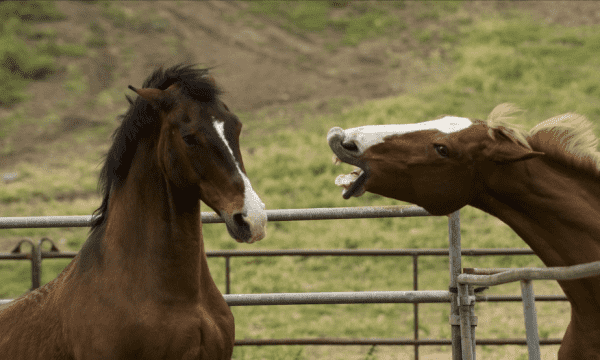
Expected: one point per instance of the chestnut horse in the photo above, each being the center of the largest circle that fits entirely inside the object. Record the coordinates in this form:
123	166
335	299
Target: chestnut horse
140	287
544	183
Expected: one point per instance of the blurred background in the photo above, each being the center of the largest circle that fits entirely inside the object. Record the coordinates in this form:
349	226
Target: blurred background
291	71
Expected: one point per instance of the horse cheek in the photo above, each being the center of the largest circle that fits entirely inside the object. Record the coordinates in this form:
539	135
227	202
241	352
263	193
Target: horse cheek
179	168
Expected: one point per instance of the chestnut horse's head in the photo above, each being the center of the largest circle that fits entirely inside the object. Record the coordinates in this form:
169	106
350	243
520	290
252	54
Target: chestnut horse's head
198	151
433	164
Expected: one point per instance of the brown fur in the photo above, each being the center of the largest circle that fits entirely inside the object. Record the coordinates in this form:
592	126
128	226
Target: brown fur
543	183
140	288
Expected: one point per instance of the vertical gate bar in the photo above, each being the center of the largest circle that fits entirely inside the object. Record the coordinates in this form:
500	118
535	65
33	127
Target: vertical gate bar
416	305
531	327
473	319
36	265
227	281
465	322
455	269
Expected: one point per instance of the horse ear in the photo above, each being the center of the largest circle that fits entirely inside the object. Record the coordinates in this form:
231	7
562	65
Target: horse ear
505	150
155	96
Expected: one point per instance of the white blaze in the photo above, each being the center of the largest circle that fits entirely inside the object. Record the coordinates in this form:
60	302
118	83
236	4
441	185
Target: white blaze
367	136
254	208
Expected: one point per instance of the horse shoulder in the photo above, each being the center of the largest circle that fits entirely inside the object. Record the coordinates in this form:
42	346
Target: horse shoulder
201	333
31	328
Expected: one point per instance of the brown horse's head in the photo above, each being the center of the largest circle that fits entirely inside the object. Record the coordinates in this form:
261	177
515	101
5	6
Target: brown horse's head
433	164
198	151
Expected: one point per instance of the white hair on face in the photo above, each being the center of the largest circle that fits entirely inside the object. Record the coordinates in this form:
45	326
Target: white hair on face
254	208
367	136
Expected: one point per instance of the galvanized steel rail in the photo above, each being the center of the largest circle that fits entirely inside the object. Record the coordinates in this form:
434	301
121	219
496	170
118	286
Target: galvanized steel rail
462	295
297	215
361	212
350	297
490	277
497	276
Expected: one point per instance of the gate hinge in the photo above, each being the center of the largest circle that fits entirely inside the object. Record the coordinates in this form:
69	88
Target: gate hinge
466	300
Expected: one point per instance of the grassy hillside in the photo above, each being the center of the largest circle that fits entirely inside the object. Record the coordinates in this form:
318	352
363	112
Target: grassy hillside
508	57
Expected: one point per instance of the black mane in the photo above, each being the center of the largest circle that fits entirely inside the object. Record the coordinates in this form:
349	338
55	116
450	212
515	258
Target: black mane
140	121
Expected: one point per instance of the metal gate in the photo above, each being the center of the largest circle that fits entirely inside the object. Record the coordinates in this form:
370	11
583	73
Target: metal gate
460	294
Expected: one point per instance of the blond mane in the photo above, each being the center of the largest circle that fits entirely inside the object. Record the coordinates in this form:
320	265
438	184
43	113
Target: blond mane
568	138
497	121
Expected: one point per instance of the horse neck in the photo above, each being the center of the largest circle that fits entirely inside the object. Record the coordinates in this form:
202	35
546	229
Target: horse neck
154	234
556	211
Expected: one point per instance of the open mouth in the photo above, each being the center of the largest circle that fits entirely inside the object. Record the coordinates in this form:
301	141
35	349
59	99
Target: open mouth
353	183
347	151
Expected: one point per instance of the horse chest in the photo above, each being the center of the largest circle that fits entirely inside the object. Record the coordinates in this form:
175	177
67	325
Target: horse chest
166	334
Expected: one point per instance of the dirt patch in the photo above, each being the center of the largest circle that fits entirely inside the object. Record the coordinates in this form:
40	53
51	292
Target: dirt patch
258	62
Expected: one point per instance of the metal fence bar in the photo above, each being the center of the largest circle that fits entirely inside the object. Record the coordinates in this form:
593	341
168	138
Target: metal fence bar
352	297
454	252
304	252
416	305
385	341
511	298
518	298
227	275
465	322
360	212
530	316
497	276
414	297
553	273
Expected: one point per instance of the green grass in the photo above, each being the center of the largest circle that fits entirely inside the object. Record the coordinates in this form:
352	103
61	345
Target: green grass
132	20
365	21
545	69
19	62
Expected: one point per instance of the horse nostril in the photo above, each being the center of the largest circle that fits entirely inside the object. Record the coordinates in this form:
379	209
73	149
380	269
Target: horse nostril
351	146
238	219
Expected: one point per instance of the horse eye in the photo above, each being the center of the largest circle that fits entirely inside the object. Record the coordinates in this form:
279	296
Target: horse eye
442	150
190	140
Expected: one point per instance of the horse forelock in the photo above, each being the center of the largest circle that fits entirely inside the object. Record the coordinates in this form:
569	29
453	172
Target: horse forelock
498	121
140	122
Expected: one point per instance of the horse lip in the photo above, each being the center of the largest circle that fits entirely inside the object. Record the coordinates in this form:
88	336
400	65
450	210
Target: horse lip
238	231
356	185
240	228
335	138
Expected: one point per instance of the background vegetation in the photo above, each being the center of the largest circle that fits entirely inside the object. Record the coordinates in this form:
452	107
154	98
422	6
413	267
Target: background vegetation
496	57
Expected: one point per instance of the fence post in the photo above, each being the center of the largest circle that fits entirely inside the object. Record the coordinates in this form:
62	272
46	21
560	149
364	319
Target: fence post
455	269
227	279
35	259
416	305
531	327
473	319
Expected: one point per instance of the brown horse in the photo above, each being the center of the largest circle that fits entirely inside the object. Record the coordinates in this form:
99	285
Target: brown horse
543	183
140	287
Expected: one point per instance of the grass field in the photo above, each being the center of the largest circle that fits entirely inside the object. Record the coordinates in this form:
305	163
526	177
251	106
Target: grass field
544	69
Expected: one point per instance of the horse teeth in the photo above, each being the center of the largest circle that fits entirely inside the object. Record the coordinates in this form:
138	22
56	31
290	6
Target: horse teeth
357	171
345	180
336	160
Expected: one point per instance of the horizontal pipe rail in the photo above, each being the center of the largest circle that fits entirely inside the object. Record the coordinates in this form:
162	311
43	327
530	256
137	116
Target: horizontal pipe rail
384	341
360	212
518	298
554	273
358	297
350	297
303	252
479	298
330	297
